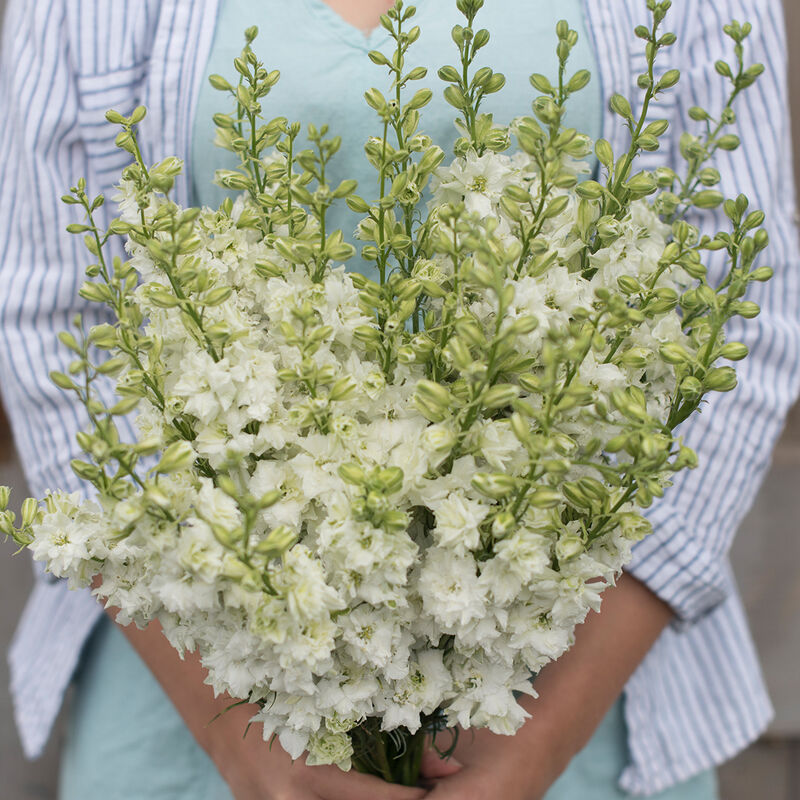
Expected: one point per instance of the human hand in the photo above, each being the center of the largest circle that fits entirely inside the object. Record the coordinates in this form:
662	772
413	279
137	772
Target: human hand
486	766
254	770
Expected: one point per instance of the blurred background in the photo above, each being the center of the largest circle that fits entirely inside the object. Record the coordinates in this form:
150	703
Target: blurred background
766	556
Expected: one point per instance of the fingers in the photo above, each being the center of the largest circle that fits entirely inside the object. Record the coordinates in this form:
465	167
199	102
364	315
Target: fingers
330	783
434	766
457	787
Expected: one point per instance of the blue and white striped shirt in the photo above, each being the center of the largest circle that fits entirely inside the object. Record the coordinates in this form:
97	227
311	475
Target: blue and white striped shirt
698	697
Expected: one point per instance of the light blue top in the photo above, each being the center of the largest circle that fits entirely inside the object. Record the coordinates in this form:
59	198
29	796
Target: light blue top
325	72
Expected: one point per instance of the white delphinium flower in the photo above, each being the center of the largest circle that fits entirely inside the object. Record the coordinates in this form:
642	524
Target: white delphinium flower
499	447
69	537
477	180
427	685
458	520
525	553
301	581
329	748
450	589
484	695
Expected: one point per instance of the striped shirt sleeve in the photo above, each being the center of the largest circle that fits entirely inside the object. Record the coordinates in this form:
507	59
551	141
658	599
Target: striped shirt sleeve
684	562
62	64
45	142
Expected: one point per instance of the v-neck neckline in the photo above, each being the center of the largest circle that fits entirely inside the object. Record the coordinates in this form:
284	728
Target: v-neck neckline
345	30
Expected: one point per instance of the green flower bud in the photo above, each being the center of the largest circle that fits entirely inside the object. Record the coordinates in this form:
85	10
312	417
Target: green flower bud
635	358
541	83
721	379
686	459
278	541
734	351
5	494
503	523
708	198
115	118
604	153
643	183
628	284
423	346
673	353
728	142
30	511
634	526
544	497
84	470
342	389
124	406
669	79
63	381
691	388
95	292
576	496
579	81
617	443
229	540
368	335
747	309
352	473
449	74
589	190
459	354
390	479
500	396
619	105
161	298
178	456
761	274
226	483
269	498
723	68
439	438
496	484
434	394
377	503
568	547
709	176
7	526
219	83
469	330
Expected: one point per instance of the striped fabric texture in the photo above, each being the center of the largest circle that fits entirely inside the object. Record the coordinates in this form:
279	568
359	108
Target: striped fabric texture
698	698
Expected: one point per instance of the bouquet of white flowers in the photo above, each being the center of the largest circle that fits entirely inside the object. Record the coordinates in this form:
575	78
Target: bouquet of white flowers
376	508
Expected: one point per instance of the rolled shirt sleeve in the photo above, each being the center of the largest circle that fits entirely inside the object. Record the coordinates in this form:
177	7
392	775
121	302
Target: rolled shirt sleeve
684	561
51	79
43	151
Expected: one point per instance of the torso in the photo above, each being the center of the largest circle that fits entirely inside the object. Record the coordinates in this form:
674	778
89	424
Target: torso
325	71
361	14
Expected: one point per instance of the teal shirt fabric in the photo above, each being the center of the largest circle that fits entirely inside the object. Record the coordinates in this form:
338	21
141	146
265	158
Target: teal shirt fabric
325	72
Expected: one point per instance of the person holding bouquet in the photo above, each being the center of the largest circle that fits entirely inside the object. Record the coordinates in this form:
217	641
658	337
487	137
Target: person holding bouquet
660	687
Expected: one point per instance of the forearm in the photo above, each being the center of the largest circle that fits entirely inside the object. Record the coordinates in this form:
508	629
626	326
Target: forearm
252	769
183	682
577	691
